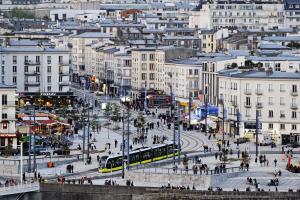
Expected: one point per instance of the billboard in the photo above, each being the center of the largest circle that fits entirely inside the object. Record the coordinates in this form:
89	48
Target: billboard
211	110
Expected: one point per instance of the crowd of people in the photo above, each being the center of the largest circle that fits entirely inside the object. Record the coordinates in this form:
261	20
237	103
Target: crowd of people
9	182
293	168
81	181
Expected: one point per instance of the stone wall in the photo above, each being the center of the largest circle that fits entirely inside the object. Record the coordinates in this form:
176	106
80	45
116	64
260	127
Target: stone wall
95	192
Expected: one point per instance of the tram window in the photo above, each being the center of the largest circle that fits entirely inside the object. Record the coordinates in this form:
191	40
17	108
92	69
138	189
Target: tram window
146	155
108	164
134	158
170	149
164	150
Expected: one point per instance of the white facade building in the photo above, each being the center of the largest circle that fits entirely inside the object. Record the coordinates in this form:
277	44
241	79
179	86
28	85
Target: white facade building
243	15
35	69
274	94
8	135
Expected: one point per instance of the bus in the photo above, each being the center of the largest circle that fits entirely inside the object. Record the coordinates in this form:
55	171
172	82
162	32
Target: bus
138	156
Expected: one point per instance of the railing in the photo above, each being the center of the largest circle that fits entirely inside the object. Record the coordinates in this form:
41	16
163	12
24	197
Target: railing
33	83
191	171
259	91
294	93
294	106
247	91
259	105
15	189
247	105
32	62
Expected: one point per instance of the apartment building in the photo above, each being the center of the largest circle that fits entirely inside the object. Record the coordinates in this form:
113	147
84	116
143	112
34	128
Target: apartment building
8	135
80	43
292	13
184	76
238	15
148	69
208	40
35	70
274	94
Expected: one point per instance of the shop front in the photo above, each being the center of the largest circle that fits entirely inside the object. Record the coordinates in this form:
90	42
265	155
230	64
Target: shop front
50	100
292	138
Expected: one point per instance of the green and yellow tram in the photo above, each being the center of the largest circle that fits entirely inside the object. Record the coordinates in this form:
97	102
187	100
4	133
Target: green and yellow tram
137	157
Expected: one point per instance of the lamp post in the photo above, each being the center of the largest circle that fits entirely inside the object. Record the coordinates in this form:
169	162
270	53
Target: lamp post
206	106
145	100
171	91
30	140
221	101
123	145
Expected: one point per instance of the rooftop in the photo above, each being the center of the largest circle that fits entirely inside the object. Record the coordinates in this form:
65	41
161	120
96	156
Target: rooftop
259	74
94	35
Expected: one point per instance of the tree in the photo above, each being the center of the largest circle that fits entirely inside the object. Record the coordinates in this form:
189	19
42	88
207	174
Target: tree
107	112
140	122
20	13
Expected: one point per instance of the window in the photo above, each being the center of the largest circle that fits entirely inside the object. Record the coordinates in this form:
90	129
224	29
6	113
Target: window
151	66
294	114
196	72
48	59
37	59
270	88
60	79
37	79
152	76
270	113
294	126
270	126
26	68
282	88
152	57
37	69
26	59
4	125
190	72
14	59
4	99
60	88
49	79
14	79
270	100
14	69
2	70
294	88
282	126
144	66
277	67
248	102
60	59
282	114
49	69
4	115
144	57
49	88
144	76
26	88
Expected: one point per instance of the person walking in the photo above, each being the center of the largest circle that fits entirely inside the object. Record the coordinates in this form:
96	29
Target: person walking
275	162
116	143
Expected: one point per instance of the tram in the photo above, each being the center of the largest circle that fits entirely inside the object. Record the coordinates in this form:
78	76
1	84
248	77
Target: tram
137	157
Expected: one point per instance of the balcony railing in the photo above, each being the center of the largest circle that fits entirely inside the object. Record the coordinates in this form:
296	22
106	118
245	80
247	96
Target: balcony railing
294	106
247	105
259	105
9	104
32	83
32	62
247	92
31	73
294	93
259	91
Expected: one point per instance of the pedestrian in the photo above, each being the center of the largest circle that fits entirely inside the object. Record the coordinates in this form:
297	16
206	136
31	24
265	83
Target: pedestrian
216	155
275	162
72	168
247	166
239	154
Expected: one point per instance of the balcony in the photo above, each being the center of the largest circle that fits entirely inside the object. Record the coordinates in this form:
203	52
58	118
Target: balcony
64	73
234	103
247	105
259	91
64	83
31	62
32	83
282	116
294	93
9	104
32	73
294	106
259	105
247	92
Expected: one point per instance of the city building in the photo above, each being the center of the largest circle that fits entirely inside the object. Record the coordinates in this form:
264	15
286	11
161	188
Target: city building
273	94
241	14
8	136
37	71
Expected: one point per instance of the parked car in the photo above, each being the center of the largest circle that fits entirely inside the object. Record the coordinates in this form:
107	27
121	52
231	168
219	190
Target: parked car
241	140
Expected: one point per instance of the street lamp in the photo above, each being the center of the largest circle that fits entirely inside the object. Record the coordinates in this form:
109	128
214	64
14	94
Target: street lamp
171	91
28	104
206	106
221	101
